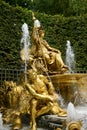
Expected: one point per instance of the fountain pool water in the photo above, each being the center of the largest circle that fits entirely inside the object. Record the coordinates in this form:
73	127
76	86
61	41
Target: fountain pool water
77	114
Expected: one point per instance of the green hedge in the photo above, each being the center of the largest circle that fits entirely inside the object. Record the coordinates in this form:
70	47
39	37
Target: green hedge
58	30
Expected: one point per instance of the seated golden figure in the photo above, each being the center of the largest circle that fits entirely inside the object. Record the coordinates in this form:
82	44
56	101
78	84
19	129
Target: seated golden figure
44	57
51	56
36	97
44	98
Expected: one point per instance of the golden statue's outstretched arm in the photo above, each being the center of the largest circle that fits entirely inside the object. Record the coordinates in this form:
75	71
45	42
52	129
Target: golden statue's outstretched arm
36	95
33	17
50	48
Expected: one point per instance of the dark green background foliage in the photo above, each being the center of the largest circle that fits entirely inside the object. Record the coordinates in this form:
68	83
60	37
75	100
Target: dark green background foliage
63	7
11	20
58	30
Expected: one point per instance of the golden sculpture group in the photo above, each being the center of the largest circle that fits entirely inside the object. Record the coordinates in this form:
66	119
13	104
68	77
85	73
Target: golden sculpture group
37	96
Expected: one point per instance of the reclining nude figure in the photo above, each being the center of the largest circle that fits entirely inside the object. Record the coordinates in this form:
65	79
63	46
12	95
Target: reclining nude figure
41	49
44	99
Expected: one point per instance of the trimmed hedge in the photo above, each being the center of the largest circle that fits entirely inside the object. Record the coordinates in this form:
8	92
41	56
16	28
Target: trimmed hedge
11	20
58	30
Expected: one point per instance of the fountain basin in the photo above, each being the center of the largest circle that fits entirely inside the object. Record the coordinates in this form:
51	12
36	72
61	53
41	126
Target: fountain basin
72	87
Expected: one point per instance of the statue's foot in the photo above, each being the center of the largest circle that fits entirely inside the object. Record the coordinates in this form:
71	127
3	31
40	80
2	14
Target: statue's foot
6	120
58	129
16	128
32	126
17	125
62	114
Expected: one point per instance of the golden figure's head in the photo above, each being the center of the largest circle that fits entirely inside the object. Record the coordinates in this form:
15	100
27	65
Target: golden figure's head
41	32
31	75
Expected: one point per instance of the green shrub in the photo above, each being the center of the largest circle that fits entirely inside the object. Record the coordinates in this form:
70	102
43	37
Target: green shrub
58	30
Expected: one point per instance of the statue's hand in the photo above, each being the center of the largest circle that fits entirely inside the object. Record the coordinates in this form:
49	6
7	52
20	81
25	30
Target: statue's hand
30	89
50	98
57	51
33	17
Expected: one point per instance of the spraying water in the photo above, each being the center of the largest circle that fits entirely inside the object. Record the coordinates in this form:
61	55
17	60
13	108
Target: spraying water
71	113
70	57
25	40
77	114
3	127
1	122
36	25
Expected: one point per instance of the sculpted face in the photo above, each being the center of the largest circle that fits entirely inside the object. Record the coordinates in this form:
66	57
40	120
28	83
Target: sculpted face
41	32
32	75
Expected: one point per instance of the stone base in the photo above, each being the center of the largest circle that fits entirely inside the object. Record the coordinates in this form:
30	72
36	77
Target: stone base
51	122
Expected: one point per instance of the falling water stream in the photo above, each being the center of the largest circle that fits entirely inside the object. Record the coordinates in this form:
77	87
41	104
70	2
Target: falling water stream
78	113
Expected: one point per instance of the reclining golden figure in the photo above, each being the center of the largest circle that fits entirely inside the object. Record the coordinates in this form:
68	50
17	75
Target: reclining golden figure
44	98
36	97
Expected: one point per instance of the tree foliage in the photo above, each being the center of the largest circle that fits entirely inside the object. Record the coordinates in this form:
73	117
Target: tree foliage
63	7
58	29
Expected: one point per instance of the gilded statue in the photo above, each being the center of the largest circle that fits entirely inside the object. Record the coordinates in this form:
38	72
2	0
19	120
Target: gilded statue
44	98
51	57
42	56
17	103
36	97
